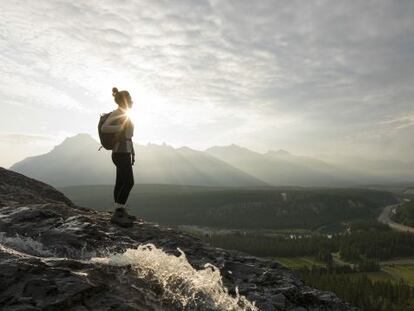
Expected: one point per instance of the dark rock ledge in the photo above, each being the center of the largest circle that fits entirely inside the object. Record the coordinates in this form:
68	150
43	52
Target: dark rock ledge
46	243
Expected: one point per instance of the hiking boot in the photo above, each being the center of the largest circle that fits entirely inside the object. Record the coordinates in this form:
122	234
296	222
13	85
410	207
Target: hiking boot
125	210
132	217
121	218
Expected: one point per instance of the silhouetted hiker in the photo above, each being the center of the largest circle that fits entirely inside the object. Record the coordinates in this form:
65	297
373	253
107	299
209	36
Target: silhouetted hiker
123	155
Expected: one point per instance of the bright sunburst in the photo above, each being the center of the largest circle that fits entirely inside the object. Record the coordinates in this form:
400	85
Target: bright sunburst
129	114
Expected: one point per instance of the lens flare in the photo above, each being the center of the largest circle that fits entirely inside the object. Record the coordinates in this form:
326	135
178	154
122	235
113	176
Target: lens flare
129	114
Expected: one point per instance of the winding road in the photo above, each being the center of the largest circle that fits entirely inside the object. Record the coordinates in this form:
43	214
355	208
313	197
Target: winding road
386	219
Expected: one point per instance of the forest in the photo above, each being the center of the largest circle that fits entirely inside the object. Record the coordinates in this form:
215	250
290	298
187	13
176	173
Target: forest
361	248
241	208
361	291
359	243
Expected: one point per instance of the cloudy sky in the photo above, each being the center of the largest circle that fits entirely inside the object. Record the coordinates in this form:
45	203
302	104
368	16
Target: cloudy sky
311	77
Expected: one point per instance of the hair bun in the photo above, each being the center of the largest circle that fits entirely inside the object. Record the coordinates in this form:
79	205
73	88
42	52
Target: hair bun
114	91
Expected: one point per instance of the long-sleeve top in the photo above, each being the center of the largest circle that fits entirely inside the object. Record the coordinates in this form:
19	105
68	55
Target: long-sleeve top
117	122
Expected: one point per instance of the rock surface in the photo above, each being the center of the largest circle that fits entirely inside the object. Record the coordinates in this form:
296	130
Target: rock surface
47	262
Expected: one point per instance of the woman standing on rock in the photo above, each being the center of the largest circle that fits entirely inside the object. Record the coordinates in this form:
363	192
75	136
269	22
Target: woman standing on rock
123	155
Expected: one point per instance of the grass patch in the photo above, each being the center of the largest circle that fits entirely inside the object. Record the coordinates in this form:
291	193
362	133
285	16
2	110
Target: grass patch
299	262
339	261
375	276
404	272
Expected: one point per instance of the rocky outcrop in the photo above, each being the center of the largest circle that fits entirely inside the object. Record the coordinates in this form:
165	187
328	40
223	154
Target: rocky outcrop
58	256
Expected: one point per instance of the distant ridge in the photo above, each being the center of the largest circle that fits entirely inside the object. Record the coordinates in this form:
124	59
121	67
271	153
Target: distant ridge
280	152
77	161
280	168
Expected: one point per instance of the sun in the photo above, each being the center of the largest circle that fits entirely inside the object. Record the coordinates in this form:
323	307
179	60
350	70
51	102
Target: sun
129	113
145	111
133	115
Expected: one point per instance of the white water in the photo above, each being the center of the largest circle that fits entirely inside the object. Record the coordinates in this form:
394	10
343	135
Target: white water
24	245
180	282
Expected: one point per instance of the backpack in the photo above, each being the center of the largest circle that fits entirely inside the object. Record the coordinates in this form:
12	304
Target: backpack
108	140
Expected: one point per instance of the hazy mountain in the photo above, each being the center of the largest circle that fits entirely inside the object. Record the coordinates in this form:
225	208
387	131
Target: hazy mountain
283	155
77	161
306	165
379	170
165	164
280	167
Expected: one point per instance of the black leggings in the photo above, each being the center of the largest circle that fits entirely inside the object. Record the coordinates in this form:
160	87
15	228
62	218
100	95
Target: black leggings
124	176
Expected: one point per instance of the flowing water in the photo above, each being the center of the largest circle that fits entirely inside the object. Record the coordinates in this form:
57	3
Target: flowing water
179	283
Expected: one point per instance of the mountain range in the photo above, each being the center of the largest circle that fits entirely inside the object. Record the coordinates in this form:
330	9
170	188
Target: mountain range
77	161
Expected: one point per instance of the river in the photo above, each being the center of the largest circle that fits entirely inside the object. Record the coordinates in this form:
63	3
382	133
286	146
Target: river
386	219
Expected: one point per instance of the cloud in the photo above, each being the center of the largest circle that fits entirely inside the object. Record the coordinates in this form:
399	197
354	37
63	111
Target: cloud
18	138
319	72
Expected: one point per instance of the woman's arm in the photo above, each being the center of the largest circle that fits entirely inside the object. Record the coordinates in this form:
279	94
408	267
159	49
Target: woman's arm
107	127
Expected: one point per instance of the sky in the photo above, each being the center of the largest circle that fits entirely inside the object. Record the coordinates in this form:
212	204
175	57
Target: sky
312	77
